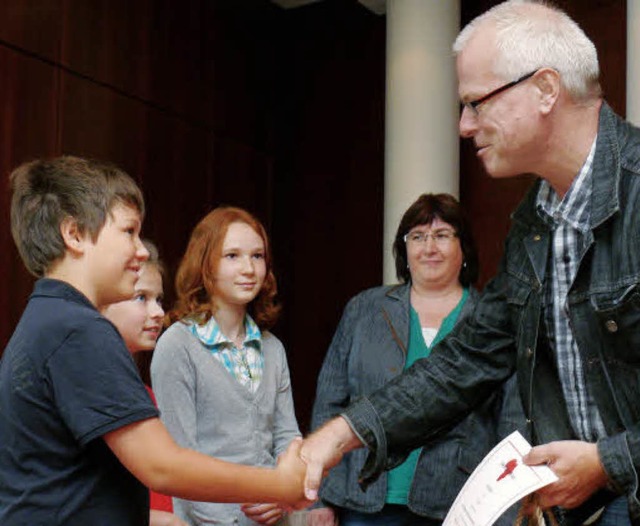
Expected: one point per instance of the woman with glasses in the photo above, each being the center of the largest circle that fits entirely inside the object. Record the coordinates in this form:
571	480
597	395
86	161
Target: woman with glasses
383	331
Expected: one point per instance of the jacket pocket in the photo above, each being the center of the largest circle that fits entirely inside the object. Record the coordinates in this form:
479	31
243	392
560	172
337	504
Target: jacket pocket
618	318
518	292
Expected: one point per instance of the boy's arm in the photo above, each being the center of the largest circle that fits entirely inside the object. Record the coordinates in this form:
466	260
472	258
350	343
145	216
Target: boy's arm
147	450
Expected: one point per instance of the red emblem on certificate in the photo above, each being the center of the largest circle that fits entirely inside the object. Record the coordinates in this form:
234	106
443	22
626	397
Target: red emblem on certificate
508	468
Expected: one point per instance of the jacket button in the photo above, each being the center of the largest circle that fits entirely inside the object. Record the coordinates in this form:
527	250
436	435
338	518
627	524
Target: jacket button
529	352
611	325
537	237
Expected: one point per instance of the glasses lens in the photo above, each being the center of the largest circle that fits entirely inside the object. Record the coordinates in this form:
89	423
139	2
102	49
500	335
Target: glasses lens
440	237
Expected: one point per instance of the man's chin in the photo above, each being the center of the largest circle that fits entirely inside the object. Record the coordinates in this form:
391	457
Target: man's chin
498	172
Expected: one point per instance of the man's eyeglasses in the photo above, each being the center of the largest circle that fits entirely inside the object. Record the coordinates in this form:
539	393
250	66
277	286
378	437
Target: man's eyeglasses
441	237
472	105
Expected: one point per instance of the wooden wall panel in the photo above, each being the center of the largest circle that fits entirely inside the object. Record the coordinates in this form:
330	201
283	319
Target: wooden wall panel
241	56
33	26
179	185
28	129
149	50
110	41
100	123
243	177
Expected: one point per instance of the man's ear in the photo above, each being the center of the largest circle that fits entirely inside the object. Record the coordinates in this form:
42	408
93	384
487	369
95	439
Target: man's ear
548	83
72	236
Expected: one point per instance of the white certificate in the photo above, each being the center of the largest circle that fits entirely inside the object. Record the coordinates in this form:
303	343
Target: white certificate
499	481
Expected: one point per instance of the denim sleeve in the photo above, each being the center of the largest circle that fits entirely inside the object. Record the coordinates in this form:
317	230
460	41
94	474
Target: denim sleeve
436	393
620	454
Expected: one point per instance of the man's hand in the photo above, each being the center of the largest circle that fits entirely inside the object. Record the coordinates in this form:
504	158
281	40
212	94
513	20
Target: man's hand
263	513
323	450
577	465
321	517
293	471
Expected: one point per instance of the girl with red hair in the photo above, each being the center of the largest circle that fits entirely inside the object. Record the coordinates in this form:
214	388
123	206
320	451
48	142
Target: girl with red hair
220	377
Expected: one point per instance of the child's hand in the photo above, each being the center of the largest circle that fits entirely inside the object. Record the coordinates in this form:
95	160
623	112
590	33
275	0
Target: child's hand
292	471
263	513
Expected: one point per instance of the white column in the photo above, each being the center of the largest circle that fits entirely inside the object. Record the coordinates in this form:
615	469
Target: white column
421	130
633	61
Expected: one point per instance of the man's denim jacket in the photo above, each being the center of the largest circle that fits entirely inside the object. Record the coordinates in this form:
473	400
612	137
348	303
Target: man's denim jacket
369	348
604	310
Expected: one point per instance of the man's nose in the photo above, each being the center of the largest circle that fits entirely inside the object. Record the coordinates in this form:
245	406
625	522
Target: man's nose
468	123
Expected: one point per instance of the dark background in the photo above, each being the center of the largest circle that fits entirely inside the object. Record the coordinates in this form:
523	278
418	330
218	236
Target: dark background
209	102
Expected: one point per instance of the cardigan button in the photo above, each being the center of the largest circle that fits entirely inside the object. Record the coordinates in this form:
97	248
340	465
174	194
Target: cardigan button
611	325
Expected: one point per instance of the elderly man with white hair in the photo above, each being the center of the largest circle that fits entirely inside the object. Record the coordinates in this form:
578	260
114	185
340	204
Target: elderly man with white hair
564	308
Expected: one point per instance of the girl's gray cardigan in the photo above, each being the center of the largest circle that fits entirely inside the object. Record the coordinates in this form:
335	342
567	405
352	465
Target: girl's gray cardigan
206	409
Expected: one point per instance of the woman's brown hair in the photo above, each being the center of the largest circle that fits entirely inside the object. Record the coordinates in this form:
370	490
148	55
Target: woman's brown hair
423	212
195	278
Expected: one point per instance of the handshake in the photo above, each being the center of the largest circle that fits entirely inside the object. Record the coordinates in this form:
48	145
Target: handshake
306	462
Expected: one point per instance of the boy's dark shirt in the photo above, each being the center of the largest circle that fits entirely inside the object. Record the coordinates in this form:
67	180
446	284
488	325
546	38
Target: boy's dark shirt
66	379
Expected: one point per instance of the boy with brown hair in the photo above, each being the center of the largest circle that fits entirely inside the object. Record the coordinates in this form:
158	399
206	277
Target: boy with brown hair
80	436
